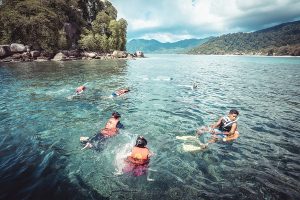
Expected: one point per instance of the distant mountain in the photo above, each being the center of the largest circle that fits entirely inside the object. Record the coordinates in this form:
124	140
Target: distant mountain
154	46
283	39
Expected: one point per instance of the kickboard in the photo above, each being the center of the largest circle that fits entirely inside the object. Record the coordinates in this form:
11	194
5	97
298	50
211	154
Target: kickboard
191	148
187	137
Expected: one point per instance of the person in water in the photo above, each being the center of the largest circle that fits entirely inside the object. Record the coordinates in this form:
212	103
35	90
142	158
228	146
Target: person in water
225	128
137	162
111	129
80	89
120	92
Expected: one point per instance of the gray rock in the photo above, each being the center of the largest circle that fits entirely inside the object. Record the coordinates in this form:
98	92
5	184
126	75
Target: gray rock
4	51
89	54
59	57
139	54
17	48
119	54
35	54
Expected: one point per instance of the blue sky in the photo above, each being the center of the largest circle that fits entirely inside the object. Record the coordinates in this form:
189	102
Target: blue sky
173	20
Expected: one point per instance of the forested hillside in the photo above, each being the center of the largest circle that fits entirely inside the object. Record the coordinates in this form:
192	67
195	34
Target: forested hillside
283	39
62	24
154	46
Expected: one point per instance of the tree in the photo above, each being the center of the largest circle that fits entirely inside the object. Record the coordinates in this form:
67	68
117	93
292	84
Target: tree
30	23
101	23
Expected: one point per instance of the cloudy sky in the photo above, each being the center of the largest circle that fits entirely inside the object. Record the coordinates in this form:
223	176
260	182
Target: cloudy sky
173	20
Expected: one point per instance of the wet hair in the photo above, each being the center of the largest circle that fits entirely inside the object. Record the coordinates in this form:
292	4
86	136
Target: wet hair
141	142
116	115
234	111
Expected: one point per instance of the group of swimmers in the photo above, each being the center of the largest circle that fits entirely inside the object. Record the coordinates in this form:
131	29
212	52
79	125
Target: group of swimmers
137	161
224	129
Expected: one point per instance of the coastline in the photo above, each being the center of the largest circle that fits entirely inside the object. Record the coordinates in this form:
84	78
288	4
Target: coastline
20	53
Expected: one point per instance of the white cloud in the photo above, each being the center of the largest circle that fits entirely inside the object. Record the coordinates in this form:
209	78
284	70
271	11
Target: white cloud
172	20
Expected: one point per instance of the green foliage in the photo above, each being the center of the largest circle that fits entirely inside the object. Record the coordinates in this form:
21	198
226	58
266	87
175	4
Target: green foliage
110	10
267	42
95	42
30	22
106	33
101	23
40	23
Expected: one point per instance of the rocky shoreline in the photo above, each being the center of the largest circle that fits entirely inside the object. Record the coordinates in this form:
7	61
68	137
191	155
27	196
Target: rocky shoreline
22	53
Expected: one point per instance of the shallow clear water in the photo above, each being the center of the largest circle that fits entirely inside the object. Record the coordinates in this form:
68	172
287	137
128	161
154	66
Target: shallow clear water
41	122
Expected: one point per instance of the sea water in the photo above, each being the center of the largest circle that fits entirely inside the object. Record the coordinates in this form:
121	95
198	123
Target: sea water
41	120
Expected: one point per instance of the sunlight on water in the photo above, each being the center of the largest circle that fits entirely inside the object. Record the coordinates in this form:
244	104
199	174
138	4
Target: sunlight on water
171	95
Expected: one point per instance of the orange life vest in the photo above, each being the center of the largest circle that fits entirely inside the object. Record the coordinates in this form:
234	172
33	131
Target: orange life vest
139	155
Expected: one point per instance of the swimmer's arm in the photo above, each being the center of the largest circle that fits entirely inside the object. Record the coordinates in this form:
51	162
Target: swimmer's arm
232	130
150	154
216	125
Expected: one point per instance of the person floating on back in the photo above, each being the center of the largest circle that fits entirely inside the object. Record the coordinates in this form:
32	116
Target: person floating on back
80	89
137	162
120	92
225	128
111	129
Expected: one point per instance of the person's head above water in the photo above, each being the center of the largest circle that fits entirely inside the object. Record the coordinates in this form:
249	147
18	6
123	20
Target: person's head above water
141	142
116	115
233	114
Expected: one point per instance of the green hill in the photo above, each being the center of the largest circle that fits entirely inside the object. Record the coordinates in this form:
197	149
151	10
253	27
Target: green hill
154	46
283	39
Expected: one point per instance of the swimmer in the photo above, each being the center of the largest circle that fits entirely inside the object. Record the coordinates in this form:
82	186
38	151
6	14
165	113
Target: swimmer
225	128
80	89
120	92
138	161
194	86
111	129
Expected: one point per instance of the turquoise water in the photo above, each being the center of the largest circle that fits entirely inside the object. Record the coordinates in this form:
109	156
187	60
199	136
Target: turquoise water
41	122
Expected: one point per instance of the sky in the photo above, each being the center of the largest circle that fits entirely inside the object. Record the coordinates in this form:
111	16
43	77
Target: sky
174	20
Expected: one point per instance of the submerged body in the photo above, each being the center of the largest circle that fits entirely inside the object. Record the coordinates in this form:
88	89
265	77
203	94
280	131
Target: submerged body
80	89
120	92
111	129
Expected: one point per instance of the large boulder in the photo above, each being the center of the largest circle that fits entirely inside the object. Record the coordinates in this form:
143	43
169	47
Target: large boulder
35	54
89	54
60	57
4	51
119	54
139	54
17	48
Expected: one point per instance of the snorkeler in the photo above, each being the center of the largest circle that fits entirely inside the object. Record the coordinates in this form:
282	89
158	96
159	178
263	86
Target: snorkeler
225	128
138	161
111	129
120	92
80	89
